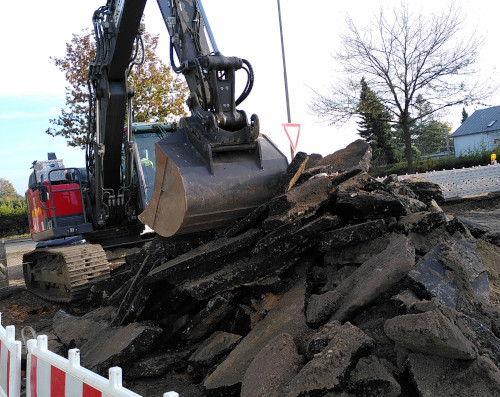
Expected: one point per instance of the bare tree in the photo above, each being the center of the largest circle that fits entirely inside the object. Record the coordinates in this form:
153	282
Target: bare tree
402	55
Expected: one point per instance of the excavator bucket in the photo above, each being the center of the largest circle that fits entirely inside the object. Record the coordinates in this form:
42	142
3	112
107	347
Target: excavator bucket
192	194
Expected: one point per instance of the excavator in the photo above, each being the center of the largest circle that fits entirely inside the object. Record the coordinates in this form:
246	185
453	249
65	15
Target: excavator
201	173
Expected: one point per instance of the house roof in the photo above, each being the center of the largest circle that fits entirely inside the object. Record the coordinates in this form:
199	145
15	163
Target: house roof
483	120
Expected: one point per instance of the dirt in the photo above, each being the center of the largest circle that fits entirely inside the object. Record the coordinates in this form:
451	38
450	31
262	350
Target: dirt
485	202
22	309
490	256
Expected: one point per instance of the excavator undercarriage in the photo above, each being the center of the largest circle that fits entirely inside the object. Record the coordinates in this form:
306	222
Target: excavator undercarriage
64	274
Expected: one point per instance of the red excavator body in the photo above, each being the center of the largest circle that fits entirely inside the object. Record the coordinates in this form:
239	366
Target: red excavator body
55	201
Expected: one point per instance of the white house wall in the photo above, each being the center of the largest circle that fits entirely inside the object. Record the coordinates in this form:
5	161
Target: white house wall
468	144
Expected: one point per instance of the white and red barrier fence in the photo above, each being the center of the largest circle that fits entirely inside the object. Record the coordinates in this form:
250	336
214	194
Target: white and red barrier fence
10	362
462	182
50	375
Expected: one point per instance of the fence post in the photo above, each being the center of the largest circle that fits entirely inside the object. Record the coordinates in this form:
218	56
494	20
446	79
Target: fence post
10	362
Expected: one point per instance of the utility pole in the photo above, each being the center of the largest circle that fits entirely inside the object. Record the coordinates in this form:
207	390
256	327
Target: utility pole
447	136
284	75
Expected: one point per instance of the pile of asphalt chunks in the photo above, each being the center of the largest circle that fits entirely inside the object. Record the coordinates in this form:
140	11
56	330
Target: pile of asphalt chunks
343	285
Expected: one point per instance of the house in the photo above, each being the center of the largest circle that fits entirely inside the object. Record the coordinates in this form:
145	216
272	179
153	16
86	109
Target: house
481	131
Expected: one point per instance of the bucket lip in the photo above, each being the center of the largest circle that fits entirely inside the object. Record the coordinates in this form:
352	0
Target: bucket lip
167	214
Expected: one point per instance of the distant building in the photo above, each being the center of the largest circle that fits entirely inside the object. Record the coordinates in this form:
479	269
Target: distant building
481	131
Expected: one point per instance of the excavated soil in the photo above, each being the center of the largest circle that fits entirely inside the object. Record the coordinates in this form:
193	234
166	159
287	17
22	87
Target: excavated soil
490	256
486	202
21	308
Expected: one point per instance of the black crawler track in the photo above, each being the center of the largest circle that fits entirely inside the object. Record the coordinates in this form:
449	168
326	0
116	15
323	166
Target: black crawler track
64	274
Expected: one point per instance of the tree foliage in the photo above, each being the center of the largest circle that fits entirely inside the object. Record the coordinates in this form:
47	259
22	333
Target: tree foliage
13	213
375	127
13	217
428	133
7	191
13	207
465	115
159	93
432	136
402	55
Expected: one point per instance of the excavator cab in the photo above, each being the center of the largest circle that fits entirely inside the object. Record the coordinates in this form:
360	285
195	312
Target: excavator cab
145	136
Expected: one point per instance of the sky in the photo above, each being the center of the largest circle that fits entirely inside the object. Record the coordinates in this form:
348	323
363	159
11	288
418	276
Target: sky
32	90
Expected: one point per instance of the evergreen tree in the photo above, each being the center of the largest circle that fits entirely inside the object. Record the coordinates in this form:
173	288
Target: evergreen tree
428	133
464	115
374	126
432	137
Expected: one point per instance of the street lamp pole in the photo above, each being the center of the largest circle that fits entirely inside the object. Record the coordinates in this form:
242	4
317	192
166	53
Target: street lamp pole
284	75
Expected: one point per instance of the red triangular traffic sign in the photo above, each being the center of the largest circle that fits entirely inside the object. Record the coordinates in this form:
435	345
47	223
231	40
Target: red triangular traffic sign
292	132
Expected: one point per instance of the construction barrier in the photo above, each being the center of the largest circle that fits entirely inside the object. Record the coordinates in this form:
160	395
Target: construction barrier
10	362
462	182
50	375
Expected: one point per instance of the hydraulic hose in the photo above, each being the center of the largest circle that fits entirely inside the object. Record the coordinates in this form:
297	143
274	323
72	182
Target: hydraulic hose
249	85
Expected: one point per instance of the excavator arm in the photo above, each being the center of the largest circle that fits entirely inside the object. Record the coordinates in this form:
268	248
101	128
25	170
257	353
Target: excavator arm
209	74
117	28
214	168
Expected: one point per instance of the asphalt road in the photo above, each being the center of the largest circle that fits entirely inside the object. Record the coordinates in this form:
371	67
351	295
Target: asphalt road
15	250
19	245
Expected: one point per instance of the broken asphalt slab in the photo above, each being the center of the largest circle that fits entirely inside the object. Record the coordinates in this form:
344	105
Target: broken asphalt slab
285	317
370	280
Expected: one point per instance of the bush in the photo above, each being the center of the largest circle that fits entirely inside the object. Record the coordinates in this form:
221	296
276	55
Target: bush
13	217
10	207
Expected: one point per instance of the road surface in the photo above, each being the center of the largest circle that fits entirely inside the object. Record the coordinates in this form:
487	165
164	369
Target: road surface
15	250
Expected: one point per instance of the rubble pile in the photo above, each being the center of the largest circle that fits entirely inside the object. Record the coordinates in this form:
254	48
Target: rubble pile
340	286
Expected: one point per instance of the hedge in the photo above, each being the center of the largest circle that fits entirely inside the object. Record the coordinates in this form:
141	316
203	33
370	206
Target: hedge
14	225
13	218
430	164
